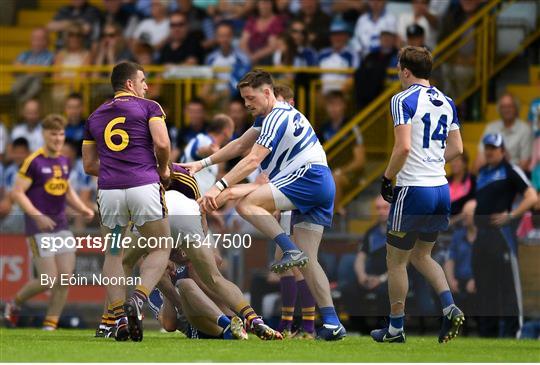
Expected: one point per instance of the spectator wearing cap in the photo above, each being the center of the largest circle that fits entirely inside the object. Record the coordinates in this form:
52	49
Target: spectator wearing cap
416	36
339	55
370	25
494	255
370	77
422	16
517	134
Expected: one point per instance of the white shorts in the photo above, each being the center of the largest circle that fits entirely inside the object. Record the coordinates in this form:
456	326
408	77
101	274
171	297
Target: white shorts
51	244
141	204
184	216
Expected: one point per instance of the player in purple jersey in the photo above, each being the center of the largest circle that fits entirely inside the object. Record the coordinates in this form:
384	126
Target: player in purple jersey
126	145
42	191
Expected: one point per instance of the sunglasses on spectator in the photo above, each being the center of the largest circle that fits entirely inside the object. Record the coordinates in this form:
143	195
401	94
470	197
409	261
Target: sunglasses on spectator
110	35
293	30
179	24
74	34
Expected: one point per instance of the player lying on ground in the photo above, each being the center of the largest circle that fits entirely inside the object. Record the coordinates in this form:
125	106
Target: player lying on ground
426	137
285	146
42	191
185	219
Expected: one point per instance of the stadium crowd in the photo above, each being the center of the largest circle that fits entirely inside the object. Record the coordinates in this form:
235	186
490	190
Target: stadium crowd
240	35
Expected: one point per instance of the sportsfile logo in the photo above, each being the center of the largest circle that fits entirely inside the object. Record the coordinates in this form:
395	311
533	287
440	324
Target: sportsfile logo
11	268
120	241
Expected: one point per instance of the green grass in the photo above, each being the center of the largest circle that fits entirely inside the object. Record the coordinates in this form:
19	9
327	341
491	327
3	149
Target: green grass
32	345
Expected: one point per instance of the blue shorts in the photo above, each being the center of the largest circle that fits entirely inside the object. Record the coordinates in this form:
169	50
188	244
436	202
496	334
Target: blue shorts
419	209
312	190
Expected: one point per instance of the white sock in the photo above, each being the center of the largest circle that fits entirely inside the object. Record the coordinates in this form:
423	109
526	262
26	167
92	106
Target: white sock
394	331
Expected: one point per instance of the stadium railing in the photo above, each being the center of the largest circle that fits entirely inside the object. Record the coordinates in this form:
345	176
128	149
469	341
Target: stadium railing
374	121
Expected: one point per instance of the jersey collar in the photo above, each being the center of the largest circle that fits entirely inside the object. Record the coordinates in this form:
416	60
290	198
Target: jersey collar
123	93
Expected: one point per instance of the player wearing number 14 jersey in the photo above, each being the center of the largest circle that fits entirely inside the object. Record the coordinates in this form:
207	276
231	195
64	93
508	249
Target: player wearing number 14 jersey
426	137
123	139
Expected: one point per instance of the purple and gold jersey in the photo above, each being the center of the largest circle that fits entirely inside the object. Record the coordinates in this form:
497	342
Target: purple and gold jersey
120	130
49	177
183	182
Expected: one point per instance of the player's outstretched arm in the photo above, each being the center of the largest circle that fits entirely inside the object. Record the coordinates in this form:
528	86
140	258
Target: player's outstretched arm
454	145
400	152
231	150
90	159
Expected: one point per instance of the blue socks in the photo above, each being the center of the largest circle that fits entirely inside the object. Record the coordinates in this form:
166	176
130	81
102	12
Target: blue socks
396	324
224	322
329	316
284	242
446	301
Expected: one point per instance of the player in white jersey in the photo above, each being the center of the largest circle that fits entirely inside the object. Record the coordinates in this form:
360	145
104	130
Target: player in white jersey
285	146
218	133
426	137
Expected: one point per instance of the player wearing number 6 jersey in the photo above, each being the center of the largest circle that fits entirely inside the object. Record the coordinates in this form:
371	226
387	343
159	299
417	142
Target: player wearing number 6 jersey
426	137
123	139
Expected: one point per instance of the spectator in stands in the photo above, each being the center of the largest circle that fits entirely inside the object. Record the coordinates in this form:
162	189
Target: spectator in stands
420	15
534	114
349	10
196	123
534	166
112	47
458	267
368	294
226	55
234	12
200	24
74	54
259	38
144	7
339	55
180	48
30	126
85	185
294	50
154	30
28	85
11	212
462	183
347	175
79	11
458	71
218	133
370	77
73	109
517	134
416	36
115	12
240	117
3	141
316	22
369	26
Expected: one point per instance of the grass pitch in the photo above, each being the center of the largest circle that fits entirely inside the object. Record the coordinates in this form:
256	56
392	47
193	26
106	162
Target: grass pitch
33	345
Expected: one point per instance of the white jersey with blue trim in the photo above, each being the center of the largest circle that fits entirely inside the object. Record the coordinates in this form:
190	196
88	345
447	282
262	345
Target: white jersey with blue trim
291	140
431	115
207	176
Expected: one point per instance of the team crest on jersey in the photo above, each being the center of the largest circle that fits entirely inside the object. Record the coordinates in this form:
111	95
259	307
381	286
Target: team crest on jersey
433	97
57	185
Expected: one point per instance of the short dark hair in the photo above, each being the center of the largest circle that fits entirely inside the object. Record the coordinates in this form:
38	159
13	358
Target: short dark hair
122	72
20	142
418	60
225	23
197	100
219	123
283	90
75	95
256	78
335	95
